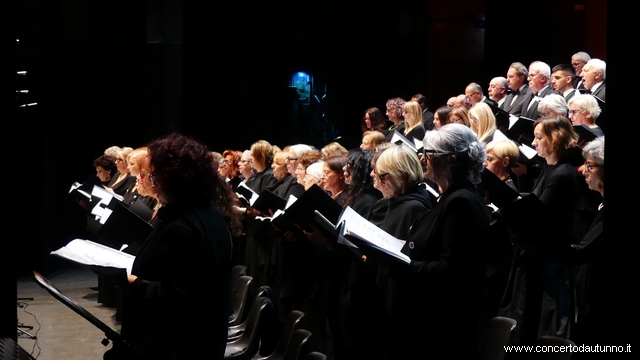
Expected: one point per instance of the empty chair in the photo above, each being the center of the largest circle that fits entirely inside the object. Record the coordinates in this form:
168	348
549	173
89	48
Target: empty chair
496	336
235	331
237	271
297	345
247	345
550	355
315	355
239	296
290	325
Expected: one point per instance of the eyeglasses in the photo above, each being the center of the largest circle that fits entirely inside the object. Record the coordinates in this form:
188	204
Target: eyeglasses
573	112
577	63
381	176
531	76
589	167
291	159
118	159
245	161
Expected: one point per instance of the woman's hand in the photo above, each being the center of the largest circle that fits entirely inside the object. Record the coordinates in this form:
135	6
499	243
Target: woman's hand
316	236
131	278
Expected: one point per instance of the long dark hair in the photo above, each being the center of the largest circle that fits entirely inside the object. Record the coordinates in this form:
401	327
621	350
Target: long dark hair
184	170
359	169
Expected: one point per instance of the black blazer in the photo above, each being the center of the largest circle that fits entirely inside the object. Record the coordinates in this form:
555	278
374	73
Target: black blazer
600	91
531	112
427	119
515	109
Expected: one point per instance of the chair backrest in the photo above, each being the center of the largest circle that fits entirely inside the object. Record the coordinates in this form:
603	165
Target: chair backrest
497	335
290	325
314	355
550	355
239	296
297	345
247	345
237	271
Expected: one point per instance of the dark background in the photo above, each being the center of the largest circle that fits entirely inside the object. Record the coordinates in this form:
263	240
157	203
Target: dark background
125	72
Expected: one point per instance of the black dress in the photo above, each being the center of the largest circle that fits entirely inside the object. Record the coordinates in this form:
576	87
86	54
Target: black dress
184	261
440	298
123	185
539	293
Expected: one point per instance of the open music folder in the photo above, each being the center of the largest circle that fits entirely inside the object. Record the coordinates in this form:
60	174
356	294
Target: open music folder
97	257
355	230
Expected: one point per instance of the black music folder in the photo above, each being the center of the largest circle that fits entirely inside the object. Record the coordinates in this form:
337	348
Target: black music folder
500	193
521	130
119	225
303	211
527	213
584	132
502	117
269	201
70	303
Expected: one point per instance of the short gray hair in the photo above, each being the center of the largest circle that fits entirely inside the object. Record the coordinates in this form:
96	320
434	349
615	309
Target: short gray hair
315	169
501	80
586	102
555	102
594	150
543	69
598	65
582	56
460	140
300	149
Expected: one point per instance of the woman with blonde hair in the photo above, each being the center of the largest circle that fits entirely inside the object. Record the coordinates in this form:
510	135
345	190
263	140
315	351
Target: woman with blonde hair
371	139
413	128
121	182
482	121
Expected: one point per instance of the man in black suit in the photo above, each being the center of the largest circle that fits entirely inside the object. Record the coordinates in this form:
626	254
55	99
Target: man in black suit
498	90
539	74
427	115
593	76
516	78
562	78
473	94
578	60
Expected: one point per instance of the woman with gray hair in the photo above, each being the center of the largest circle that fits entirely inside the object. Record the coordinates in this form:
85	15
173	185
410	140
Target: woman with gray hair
442	293
553	105
584	110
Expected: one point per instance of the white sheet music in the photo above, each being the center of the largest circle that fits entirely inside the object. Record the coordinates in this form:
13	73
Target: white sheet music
527	151
360	227
90	253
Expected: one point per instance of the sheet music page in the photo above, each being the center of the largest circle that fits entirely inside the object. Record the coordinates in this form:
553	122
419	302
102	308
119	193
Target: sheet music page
418	144
90	253
395	137
290	201
499	136
357	225
512	120
527	151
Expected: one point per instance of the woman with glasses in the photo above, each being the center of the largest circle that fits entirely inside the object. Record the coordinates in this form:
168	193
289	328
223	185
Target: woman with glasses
229	165
333	179
459	114
245	169
397	173
584	110
441	295
122	181
185	260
